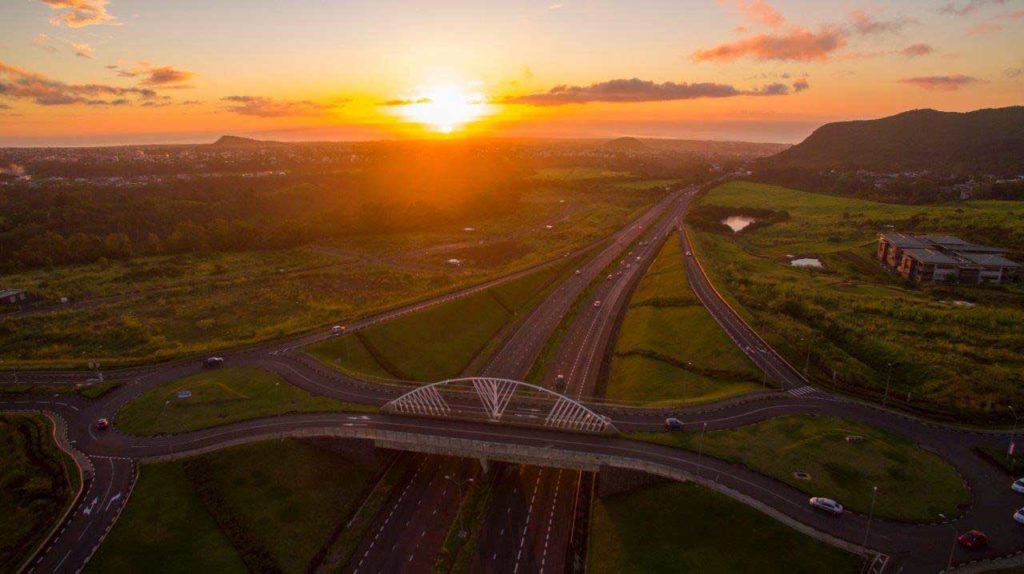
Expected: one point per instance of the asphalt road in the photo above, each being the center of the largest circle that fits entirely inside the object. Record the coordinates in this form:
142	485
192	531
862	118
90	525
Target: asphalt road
535	527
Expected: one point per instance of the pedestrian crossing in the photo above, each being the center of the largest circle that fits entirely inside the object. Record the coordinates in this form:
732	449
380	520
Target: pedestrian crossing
802	391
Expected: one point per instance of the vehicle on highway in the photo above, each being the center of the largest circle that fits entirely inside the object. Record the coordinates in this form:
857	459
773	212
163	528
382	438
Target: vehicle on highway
610	277
638	258
827	505
338	330
688	253
1019	515
102	424
973	540
560	383
597	303
1018	485
577	272
213	362
673	424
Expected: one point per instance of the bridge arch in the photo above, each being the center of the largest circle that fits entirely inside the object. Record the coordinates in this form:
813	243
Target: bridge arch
500	400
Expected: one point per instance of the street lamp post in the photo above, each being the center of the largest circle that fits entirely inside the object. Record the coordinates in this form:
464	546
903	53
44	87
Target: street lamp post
888	380
458	486
700	446
764	368
1013	432
952	549
871	515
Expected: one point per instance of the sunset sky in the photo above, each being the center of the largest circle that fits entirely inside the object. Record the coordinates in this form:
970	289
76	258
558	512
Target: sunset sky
90	72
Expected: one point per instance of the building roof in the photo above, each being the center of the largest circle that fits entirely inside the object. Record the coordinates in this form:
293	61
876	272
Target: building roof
929	256
989	260
8	292
972	248
904	241
945	240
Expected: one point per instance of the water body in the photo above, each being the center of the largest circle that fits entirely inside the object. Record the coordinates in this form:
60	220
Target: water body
738	222
807	262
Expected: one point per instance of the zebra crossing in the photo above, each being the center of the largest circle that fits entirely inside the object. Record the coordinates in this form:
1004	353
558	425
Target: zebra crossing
802	391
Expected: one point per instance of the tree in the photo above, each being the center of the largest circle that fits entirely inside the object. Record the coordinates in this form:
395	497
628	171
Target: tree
117	246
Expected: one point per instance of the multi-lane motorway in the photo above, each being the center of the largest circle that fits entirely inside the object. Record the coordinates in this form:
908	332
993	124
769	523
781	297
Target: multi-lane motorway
530	520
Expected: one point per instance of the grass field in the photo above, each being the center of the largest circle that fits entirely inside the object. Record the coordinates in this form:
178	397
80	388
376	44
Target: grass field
670	350
682	527
38	481
856	319
839	469
191	304
220	397
265	507
439	342
89	391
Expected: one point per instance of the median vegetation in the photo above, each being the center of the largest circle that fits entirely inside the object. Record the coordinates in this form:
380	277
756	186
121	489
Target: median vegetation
670	350
682	527
38	481
839	459
219	397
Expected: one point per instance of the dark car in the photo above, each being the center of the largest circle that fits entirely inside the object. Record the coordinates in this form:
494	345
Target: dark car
213	362
560	383
973	539
102	424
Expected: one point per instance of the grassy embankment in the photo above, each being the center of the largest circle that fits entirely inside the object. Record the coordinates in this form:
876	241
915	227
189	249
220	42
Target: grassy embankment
464	533
220	397
670	350
89	391
38	481
838	468
682	527
442	341
190	304
948	359
263	507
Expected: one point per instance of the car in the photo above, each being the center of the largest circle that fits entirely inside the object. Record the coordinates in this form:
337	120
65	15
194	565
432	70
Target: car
597	303
1018	485
610	277
102	424
1019	515
560	383
827	505
338	330
638	258
213	362
673	424
688	253
577	272
973	540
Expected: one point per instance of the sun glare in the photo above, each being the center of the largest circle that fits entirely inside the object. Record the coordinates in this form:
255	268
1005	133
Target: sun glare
445	109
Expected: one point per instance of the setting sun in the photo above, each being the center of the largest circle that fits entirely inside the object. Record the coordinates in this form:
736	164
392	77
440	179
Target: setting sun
444	109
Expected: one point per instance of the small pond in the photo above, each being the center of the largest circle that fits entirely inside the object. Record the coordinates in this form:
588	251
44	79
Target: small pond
807	262
738	222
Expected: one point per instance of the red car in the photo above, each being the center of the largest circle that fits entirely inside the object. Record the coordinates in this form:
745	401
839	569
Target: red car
102	424
973	539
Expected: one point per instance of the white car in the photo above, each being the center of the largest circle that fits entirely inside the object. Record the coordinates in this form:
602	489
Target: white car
577	271
597	303
1018	485
610	277
827	504
338	330
1019	515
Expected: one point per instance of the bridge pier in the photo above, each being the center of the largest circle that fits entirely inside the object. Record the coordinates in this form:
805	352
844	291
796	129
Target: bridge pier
483	465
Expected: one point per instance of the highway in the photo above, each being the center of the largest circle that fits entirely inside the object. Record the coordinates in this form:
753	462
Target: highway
528	526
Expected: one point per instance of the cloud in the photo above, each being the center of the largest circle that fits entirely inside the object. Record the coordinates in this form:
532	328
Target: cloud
1013	73
79	13
984	29
799	44
1018	15
18	83
405	102
916	50
970	7
759	11
270	108
800	85
866	24
941	83
83	50
155	76
636	90
44	42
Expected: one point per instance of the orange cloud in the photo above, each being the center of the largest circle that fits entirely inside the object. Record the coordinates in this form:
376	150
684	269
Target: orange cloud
155	76
941	83
761	12
270	108
79	13
867	24
18	83
800	45
915	50
984	29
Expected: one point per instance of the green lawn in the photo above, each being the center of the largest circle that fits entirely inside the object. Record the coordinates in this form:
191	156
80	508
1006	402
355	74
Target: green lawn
89	391
670	350
165	529
682	527
855	319
269	506
839	469
439	342
37	480
220	397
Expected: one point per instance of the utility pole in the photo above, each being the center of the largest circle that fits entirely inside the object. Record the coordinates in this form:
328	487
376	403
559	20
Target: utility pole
700	447
871	514
1013	433
952	550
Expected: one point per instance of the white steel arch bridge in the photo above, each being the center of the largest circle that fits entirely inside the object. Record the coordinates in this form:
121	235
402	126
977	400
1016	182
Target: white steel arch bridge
500	401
